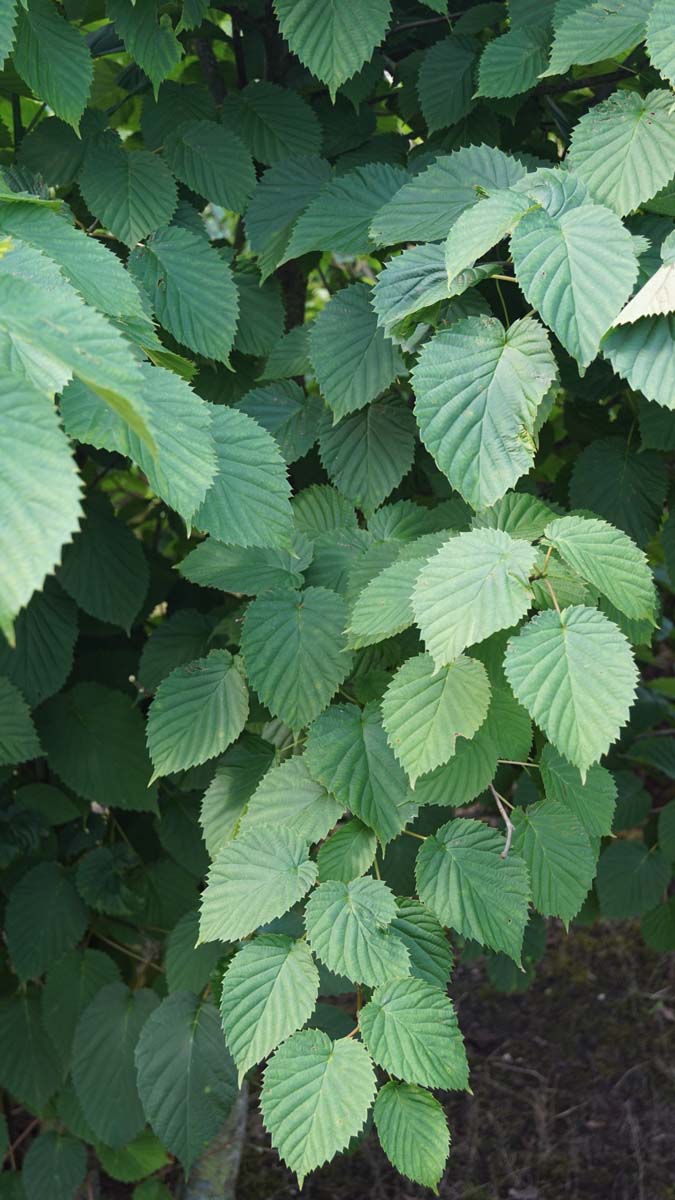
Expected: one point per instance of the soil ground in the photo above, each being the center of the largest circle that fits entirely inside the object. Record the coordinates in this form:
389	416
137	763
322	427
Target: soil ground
573	1082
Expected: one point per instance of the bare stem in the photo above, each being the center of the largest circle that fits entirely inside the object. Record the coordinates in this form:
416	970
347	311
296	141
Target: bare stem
553	596
420	836
501	805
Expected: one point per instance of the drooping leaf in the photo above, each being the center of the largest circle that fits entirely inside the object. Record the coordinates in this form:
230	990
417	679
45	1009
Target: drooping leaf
53	59
659	38
289	796
104	569
237	775
512	63
280	196
429	949
561	863
149	39
347	853
368	452
445	83
339	217
55	1165
592	802
274	122
411	1030
333	42
413	1132
285	411
384	607
593	30
29	1065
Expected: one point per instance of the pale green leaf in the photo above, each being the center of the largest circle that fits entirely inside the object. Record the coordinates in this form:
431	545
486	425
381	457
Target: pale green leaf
429	949
353	360
511	64
410	1028
609	560
339	217
333	41
252	880
237	776
519	514
245	569
480	227
593	802
561	863
140	1157
660	47
413	1132
596	29
289	796
348	928
321	509
642	353
384	607
347	853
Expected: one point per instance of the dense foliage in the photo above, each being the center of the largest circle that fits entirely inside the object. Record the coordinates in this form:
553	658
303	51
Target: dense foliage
337	411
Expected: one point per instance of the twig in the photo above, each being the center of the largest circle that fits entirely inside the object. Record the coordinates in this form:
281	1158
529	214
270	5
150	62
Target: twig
501	805
501	299
146	962
553	596
22	1137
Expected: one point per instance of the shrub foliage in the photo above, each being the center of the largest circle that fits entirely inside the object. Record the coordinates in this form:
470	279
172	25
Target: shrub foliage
336	411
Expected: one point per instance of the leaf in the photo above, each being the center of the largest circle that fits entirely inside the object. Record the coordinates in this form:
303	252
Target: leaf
55	1165
428	205
45	917
315	1097
413	1132
289	357
348	928
253	880
53	59
655	298
655	753
288	795
429	949
179	639
237	775
285	411
367	453
321	509
280	196
186	1080
347	751
596	30
577	268
104	1071
131	192
642	353
104	569
197	712
561	863
100	879
480	227
410	281
347	853
94	739
593	802
511	64
149	39
269	990
353	360
659	38
609	560
339	216
186	280
333	42
425	709
631	879
626	488
445	81
295	651
658	927
189	966
261	311
29	1065
384	607
274	122
248	502
411	1030
463	878
18	737
519	514
478	388
42	656
142	1156
39	495
575	674
476	584
248	570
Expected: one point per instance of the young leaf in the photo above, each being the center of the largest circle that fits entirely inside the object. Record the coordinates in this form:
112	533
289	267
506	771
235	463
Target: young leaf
413	1132
411	1030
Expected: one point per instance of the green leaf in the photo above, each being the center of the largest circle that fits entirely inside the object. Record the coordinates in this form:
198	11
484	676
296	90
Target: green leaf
104	1071
463	878
29	1065
642	353
45	917
428	947
353	360
197	712
577	268
593	802
367	453
252	881
274	122
348	928
321	509
189	966
248	502
179	639
104	569
445	81
142	1156
261	311
655	753
248	570
288	795
280	196
285	411
148	38
479	228
631	879
333	41
95	742
555	846
316	1096
39	495
659	38
575	674
55	1165
425	709
8	21
100	879
131	192
596	29
626	488
186	280
237	775
18	738
425	208
478	388
347	751
53	58
413	1132
658	927
609	560
511	64
518	513
384	607
42	656
339	217
476	584
186	1080
347	853
269	990
411	1030
410	281
295	651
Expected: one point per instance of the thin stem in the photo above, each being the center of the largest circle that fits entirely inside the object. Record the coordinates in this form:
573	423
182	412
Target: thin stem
514	762
21	1138
353	1032
420	836
549	552
501	805
376	867
16	120
501	299
553	596
505	278
35	118
146	962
